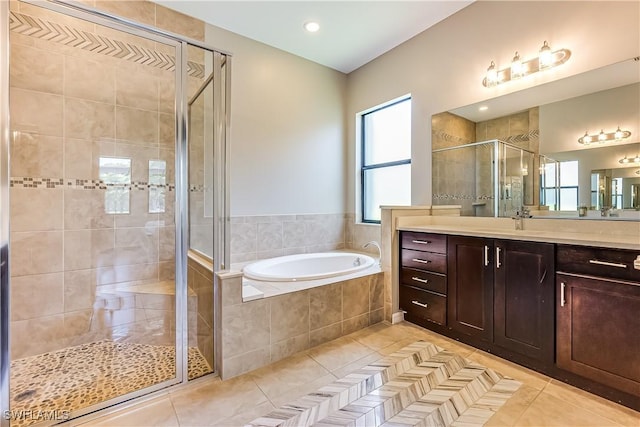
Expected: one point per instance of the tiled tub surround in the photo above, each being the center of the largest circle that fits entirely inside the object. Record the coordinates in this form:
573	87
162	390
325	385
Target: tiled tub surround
258	332
260	237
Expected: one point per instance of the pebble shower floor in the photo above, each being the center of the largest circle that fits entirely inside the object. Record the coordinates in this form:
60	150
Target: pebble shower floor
52	384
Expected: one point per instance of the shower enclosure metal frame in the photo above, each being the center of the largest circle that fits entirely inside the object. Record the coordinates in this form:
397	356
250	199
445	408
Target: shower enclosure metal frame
221	194
498	169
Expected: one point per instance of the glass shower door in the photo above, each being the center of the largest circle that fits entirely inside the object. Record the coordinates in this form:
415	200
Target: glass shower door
93	230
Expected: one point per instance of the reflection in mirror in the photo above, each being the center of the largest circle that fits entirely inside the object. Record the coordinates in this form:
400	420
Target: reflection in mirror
548	120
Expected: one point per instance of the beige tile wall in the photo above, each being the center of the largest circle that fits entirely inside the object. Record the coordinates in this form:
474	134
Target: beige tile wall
258	237
70	106
200	283
259	332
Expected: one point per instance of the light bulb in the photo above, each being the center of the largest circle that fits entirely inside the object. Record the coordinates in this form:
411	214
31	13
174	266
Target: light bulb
516	67
586	139
619	134
311	26
602	137
636	159
545	57
492	75
624	161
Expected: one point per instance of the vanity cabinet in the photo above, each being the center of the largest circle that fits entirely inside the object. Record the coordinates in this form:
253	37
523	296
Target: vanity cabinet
524	295
470	297
598	316
423	280
501	291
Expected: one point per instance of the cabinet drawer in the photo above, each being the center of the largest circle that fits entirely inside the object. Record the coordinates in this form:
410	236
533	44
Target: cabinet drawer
423	304
601	262
424	261
422	279
424	242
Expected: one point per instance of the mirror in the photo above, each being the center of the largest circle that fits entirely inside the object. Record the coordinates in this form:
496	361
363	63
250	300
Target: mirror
548	120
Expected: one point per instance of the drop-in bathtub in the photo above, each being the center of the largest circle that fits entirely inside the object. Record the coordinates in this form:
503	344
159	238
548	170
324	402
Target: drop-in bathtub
312	266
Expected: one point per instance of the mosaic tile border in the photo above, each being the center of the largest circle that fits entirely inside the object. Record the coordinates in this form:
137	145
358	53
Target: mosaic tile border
462	197
83	184
27	25
421	384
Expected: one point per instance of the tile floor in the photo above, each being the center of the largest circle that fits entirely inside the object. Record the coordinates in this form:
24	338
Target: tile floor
540	401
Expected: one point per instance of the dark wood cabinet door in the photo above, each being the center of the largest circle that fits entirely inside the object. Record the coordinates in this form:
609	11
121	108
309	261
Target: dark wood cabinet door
598	330
470	287
524	298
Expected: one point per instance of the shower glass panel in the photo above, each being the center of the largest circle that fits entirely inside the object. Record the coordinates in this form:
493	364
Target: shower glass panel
206	90
92	190
486	179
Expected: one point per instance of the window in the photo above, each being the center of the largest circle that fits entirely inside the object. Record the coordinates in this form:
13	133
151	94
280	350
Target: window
385	173
564	195
115	173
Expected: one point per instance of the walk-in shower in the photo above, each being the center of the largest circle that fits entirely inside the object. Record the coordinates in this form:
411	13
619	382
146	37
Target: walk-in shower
490	178
114	206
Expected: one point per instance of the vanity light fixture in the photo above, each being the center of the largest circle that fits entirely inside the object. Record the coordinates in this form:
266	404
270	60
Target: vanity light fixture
603	136
626	160
638	172
545	60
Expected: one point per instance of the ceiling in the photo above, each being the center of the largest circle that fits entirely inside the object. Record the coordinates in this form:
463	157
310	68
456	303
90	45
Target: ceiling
351	33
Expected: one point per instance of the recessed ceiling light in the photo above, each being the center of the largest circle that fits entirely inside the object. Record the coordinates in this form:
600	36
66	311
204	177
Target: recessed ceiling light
311	26
483	108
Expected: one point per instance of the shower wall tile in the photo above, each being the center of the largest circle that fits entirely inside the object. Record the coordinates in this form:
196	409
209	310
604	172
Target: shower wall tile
35	155
179	23
140	11
136	246
80	156
90	79
36	253
45	334
36	112
36	209
85	210
137	126
79	289
36	296
85	249
138	89
167	131
36	69
88	119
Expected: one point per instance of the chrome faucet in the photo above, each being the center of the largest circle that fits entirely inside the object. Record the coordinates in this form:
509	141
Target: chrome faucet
520	215
374	243
605	210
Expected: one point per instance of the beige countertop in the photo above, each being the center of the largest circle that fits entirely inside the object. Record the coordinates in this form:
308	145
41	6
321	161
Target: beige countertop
608	234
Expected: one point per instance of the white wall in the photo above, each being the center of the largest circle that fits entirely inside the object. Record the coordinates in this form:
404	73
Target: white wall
288	152
443	67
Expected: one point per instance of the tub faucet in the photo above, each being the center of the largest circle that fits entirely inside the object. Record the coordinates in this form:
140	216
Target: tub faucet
374	243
